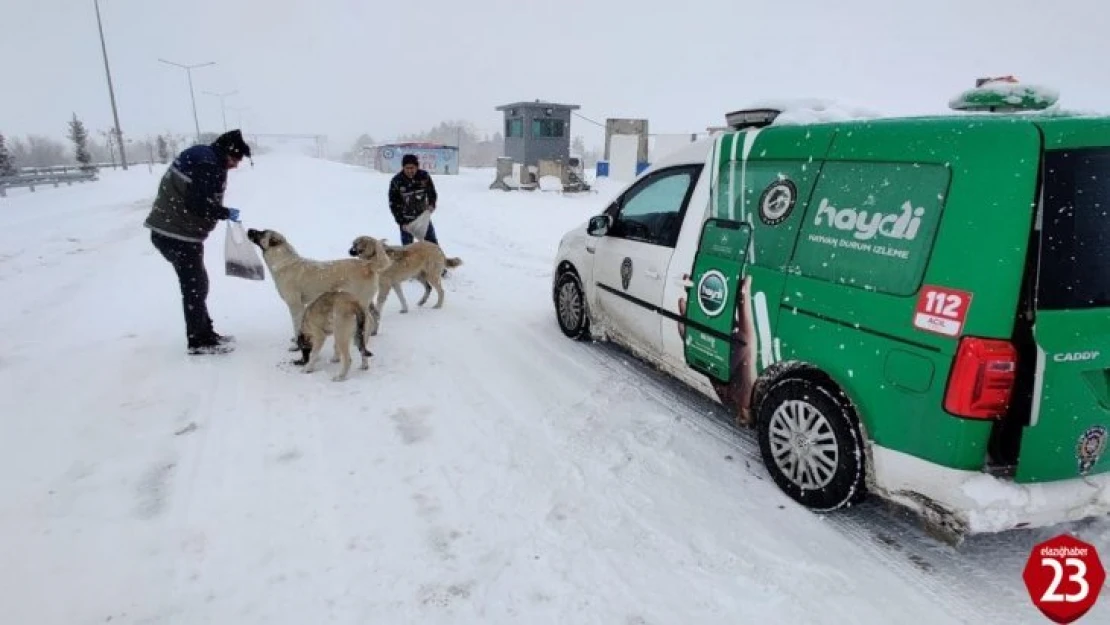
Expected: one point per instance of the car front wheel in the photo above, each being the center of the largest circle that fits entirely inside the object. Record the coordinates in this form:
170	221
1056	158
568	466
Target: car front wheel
570	306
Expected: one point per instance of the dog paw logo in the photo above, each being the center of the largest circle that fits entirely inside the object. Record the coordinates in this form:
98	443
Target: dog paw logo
777	201
1090	447
626	272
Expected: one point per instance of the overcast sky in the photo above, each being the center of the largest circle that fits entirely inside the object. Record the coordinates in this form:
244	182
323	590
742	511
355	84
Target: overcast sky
343	67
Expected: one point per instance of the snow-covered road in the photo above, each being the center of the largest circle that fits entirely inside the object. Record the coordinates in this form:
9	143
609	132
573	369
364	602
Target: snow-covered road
485	469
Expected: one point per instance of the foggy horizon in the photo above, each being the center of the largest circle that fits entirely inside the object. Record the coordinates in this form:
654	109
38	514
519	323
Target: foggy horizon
343	68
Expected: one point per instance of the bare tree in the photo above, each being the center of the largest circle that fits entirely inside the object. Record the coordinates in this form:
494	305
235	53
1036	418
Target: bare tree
39	151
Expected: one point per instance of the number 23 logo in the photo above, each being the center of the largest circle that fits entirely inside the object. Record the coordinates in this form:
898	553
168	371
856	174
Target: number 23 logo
1051	594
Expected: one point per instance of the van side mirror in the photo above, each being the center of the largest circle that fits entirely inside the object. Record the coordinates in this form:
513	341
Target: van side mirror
599	225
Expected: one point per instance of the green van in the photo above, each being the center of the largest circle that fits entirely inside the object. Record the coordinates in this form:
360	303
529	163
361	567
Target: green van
913	308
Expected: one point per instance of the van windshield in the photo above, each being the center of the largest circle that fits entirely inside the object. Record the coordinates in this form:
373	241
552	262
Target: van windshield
1075	237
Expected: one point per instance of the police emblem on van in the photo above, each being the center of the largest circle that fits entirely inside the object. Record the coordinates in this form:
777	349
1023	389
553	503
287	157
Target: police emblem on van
777	202
712	293
626	272
1090	448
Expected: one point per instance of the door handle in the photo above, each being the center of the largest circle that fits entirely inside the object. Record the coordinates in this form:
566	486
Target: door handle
651	273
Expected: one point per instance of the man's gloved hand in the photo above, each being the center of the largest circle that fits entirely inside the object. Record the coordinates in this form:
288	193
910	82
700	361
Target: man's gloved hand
233	214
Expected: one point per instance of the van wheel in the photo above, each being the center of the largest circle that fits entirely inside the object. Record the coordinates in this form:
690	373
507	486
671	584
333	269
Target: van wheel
570	306
811	444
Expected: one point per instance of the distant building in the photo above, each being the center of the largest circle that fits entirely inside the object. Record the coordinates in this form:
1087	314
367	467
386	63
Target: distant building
536	131
434	157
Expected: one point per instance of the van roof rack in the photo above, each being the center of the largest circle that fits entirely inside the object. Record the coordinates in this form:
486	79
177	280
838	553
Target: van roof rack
751	118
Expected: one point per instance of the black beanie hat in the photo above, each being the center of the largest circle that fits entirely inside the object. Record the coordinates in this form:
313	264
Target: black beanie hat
409	159
232	142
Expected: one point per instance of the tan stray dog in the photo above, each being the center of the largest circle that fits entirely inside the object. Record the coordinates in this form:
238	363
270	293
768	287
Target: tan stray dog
421	260
335	313
301	280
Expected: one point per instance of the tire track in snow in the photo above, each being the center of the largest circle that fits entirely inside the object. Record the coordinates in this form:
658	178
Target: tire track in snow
268	522
981	582
912	563
509	329
612	466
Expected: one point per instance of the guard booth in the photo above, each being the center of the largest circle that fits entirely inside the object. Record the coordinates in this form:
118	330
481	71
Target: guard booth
537	143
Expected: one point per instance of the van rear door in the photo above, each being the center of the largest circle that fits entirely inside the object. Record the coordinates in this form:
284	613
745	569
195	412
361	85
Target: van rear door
1069	422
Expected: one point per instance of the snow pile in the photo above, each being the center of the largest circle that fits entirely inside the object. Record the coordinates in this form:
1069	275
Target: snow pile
1005	93
550	183
986	490
1012	93
798	111
984	502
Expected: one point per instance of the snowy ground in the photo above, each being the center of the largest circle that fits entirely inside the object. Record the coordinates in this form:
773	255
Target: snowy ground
485	469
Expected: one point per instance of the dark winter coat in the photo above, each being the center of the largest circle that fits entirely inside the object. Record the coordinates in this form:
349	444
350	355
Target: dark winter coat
190	196
409	197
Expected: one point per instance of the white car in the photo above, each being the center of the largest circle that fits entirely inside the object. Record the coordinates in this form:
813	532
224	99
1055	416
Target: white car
614	278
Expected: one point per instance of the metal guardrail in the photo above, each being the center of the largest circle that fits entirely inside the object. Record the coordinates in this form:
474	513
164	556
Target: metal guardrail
52	169
42	179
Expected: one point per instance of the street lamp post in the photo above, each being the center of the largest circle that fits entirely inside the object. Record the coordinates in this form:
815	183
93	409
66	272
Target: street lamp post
189	71
111	90
223	109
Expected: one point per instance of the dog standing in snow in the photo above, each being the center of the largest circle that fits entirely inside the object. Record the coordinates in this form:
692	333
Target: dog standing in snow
301	280
335	313
422	260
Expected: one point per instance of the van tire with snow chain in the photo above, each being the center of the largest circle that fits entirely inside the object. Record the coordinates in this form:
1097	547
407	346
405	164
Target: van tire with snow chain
784	411
570	306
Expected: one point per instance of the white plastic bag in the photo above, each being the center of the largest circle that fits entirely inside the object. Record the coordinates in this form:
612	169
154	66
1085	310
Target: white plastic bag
240	258
418	227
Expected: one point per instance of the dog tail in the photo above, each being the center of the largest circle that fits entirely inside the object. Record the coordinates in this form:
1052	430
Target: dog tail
453	262
360	331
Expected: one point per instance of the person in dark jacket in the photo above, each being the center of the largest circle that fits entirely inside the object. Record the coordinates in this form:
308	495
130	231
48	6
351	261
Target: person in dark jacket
186	210
411	192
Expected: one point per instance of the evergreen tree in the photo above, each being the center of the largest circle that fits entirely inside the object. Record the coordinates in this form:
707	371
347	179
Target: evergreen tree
80	138
163	150
7	166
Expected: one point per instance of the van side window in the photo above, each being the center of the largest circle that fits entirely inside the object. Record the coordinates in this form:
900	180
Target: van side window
872	225
1075	238
652	210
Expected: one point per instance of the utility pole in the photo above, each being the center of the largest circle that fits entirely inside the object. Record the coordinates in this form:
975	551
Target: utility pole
223	109
111	90
189	71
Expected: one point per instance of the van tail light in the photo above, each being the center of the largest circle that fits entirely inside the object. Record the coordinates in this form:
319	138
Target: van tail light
982	378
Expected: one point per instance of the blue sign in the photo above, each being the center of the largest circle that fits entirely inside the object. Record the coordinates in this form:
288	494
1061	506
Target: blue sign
433	159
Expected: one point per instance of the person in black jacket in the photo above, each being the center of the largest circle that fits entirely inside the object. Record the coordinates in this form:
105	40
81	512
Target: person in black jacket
186	210
411	192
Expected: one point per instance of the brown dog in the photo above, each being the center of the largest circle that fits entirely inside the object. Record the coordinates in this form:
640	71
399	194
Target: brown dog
422	260
334	313
301	280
